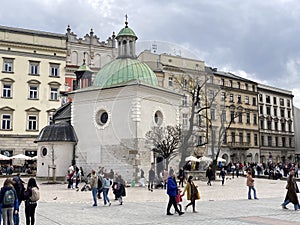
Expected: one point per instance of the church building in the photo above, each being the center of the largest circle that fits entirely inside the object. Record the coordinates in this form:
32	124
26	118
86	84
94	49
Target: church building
111	117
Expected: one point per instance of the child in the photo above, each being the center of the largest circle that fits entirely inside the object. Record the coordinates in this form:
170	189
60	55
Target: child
179	198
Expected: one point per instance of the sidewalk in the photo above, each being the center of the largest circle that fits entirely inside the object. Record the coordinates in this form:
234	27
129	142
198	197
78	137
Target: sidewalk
219	204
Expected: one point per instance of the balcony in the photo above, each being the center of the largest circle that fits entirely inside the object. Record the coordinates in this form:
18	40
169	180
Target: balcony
238	145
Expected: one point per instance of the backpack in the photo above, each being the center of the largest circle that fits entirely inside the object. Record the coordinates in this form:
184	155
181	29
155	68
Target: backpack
9	197
35	194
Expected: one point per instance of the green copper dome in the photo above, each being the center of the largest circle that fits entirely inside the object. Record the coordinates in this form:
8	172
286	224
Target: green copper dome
123	70
126	31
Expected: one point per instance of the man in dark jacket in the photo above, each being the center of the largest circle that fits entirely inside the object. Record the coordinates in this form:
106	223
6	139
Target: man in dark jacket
172	192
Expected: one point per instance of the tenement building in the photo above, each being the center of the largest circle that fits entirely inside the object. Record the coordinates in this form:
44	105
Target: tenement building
276	124
235	118
31	78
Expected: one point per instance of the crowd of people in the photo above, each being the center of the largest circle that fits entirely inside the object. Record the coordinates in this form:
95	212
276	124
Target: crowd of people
12	194
99	183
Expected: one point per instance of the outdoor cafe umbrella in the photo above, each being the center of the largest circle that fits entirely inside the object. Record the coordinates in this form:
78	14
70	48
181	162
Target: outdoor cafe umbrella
205	159
21	156
221	159
4	157
192	158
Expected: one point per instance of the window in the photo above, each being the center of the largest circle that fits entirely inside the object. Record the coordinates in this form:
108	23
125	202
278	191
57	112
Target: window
281	102
275	111
240	116
282	126
54	70
211	94
198	120
53	93
158	118
223	116
222	96
232	116
290	142
246	87
276	125
248	138
231	97
248	118
268	99
269	125
238	84
262	140
32	122
232	137
230	83
34	68
222	82
261	109
184	120
211	79
8	65
289	113
239	99
288	102
199	140
212	114
260	97
254	101
262	124
5	122
170	81
184	100
254	119
247	100
268	110
274	101
276	141
283	141
225	138
269	141
184	83
33	92
241	137
282	112
290	127
6	91
255	140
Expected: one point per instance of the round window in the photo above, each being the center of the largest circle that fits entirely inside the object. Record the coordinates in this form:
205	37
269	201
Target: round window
44	151
102	117
158	118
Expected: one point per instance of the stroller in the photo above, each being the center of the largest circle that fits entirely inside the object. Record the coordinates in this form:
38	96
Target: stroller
86	186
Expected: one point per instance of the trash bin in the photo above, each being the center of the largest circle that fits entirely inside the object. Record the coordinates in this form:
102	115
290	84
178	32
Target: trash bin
132	183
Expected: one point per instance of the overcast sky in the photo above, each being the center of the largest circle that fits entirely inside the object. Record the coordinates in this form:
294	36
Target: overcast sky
255	39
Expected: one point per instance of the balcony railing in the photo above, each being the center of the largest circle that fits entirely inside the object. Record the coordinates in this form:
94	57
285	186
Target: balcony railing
238	145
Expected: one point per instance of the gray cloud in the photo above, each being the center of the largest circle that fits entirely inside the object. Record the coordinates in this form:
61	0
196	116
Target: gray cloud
257	38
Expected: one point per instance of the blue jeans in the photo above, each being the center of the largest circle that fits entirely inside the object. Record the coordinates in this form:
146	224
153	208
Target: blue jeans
296	206
249	192
105	195
94	193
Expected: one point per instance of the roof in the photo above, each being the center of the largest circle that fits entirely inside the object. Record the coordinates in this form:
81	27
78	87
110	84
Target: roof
123	70
63	112
56	133
126	31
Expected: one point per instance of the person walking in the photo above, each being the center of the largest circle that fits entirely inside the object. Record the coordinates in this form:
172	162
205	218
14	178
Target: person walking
250	184
9	200
222	175
209	175
151	178
31	196
106	185
192	193
18	184
172	192
94	186
181	176
119	189
291	195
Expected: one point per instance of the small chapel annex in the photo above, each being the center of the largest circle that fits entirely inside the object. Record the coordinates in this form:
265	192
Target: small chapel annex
111	117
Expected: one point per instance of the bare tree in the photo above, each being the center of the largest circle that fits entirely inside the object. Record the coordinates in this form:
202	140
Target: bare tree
165	141
200	102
